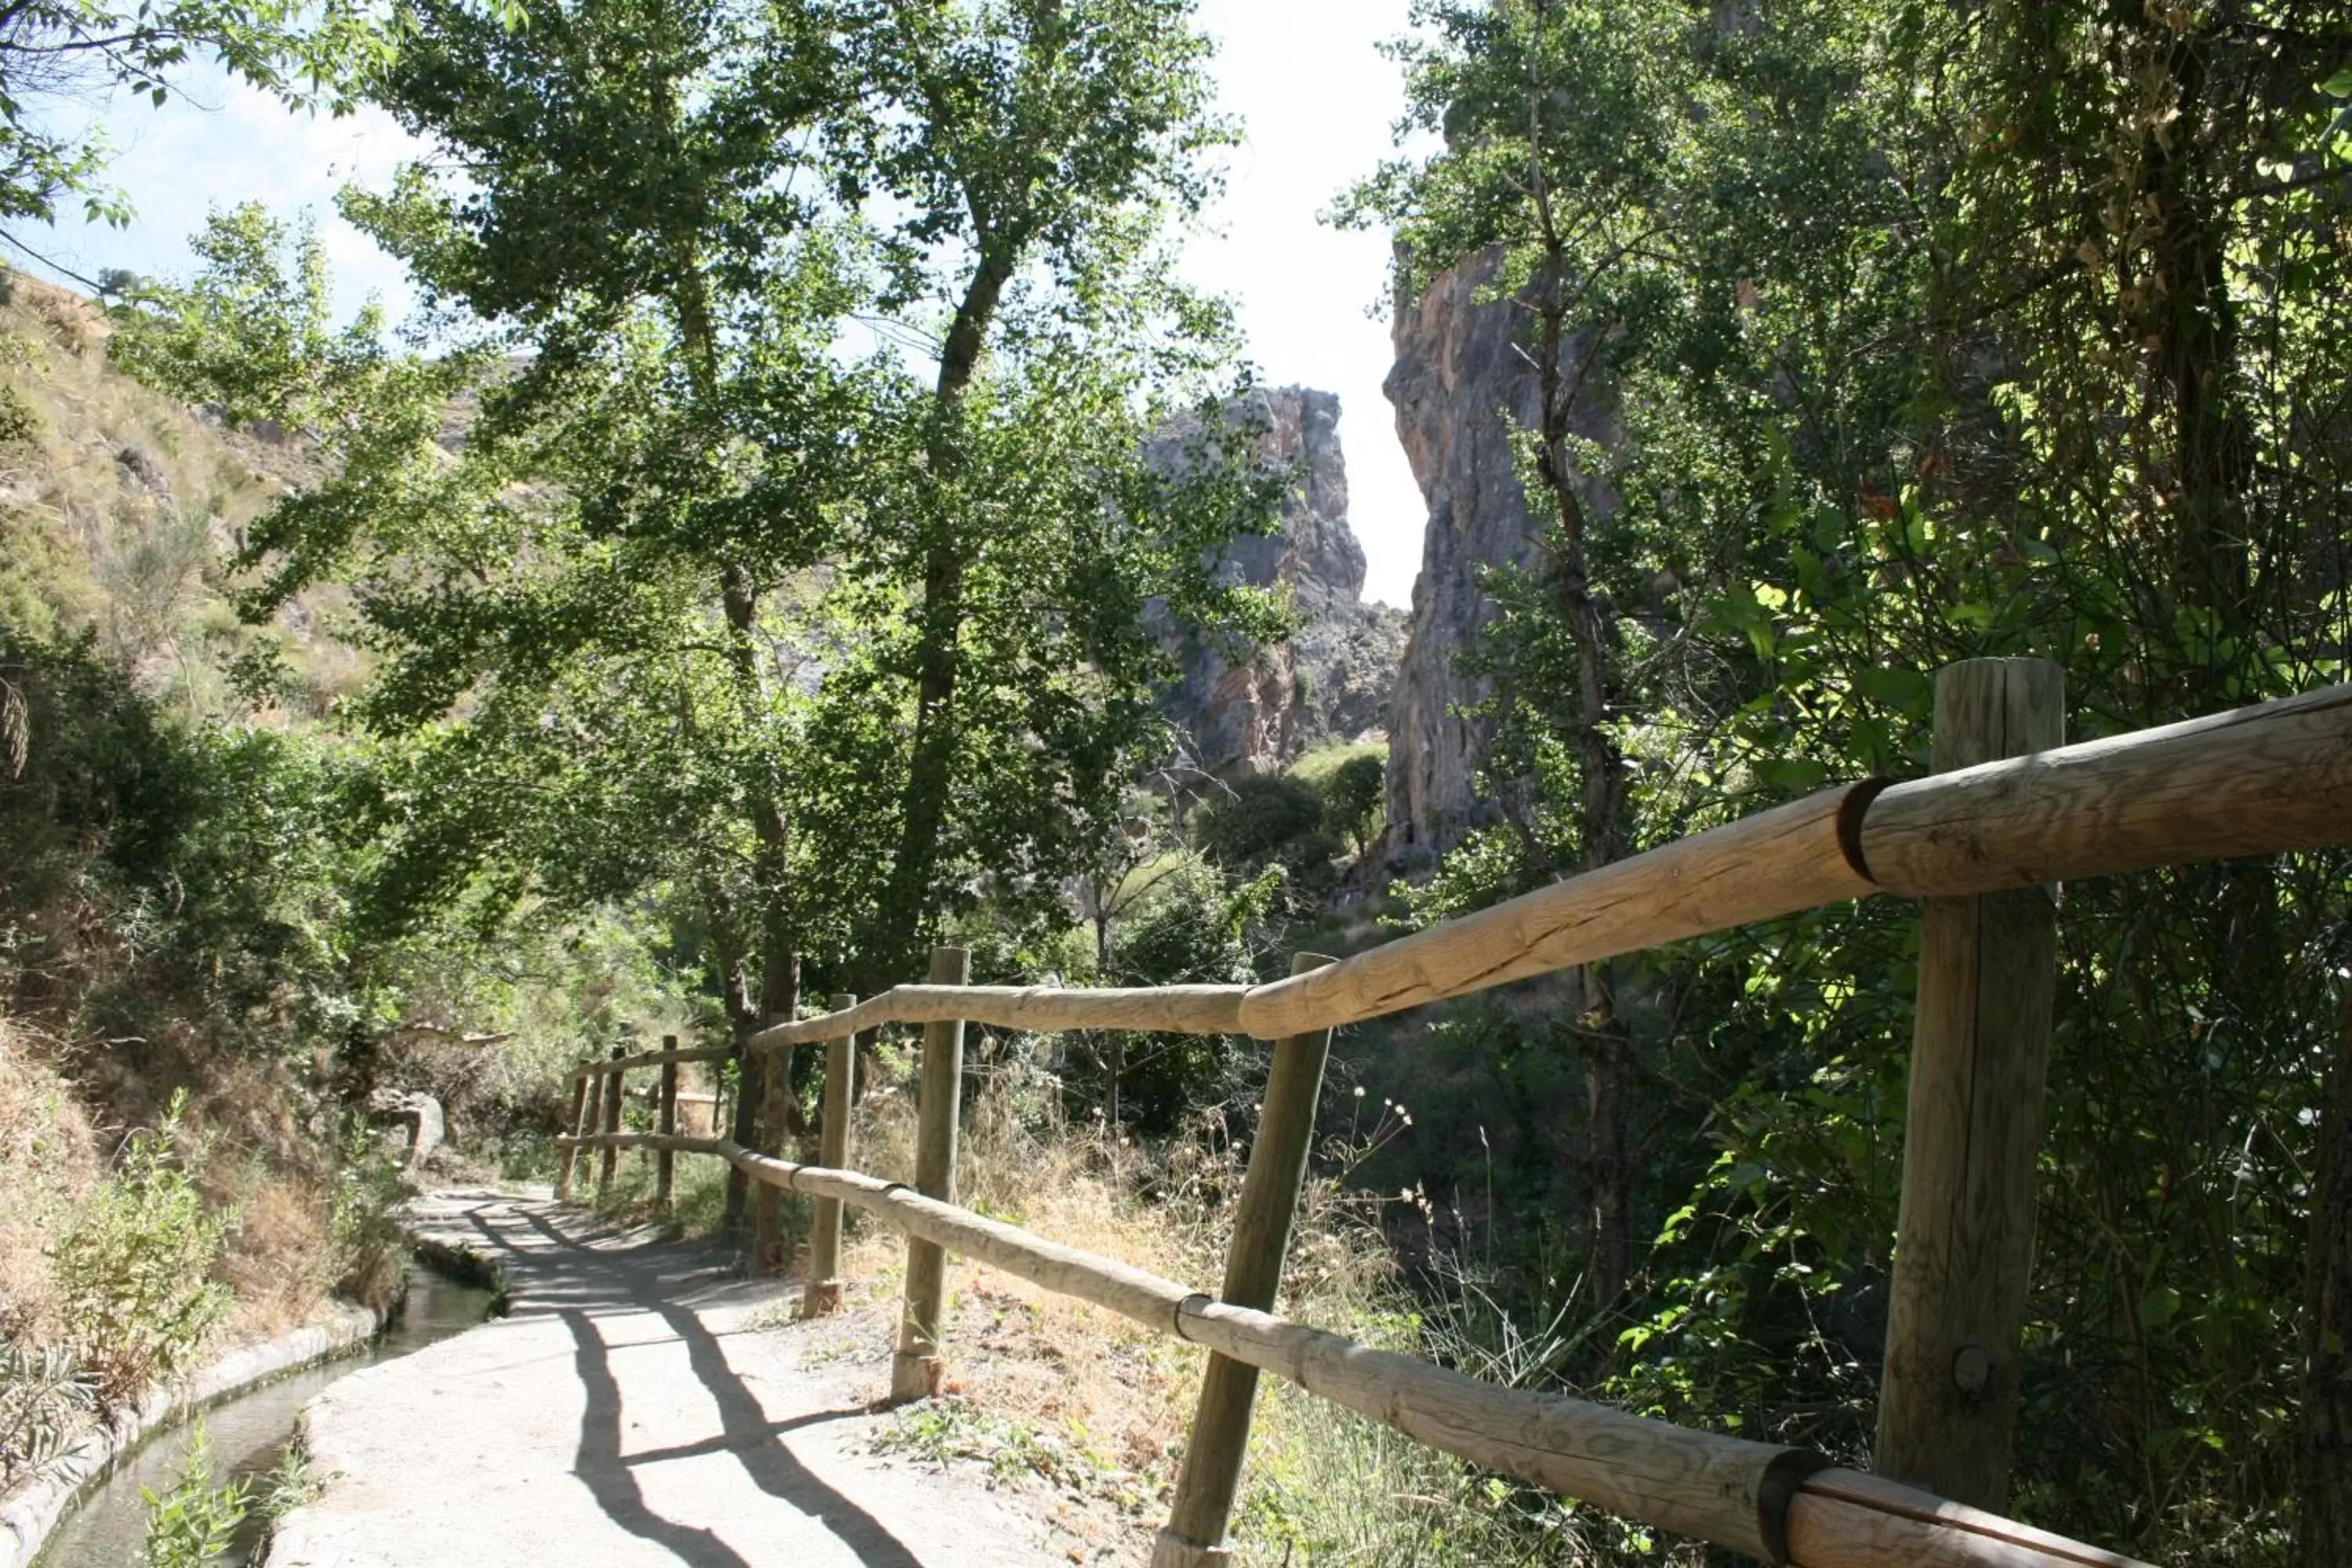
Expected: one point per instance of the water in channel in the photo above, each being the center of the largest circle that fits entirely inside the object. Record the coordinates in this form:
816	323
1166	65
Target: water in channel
248	1432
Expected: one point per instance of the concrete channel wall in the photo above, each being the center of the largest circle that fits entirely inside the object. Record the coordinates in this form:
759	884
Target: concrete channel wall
31	1510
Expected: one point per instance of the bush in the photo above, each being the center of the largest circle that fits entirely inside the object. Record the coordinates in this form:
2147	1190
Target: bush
195	1524
1260	820
133	1266
44	1401
370	1253
1196	930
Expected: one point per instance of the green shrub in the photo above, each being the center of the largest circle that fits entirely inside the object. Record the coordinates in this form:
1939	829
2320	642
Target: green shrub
20	426
1259	820
133	1268
1197	928
370	1255
193	1524
1353	796
44	1401
290	1483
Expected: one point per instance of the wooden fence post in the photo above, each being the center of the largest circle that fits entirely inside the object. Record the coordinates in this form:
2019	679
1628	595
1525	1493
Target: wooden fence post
570	1154
767	1202
915	1370
1980	1056
666	1122
822	1293
591	1120
608	1154
1195	1534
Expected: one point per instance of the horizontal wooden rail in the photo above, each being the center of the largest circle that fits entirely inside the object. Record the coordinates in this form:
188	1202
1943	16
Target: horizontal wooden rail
2263	780
1777	862
653	1059
1776	1503
2258	781
1184	1009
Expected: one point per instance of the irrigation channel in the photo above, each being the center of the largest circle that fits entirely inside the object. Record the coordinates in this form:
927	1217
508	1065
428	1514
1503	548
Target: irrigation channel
249	1433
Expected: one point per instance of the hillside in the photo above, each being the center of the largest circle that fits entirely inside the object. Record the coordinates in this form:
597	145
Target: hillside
119	510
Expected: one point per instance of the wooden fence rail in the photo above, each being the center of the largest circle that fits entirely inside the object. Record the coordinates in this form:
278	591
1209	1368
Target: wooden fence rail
666	1058
2262	780
2265	780
1781	1504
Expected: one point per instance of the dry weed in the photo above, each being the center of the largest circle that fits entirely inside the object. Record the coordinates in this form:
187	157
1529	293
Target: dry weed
1110	1389
49	1161
278	1259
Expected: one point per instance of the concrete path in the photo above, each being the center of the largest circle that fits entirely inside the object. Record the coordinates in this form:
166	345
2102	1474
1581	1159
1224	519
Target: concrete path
624	1414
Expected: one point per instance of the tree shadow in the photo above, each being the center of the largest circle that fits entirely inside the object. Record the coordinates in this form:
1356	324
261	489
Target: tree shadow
577	1283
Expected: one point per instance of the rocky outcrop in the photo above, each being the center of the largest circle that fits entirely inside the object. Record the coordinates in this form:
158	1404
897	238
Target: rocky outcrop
1248	709
1461	385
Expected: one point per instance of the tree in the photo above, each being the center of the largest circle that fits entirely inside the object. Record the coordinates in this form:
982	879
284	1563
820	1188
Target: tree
1352	795
1925	334
1045	134
1559	121
670	614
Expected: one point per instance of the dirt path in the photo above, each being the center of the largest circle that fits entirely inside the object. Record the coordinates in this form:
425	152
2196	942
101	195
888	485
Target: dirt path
623	1413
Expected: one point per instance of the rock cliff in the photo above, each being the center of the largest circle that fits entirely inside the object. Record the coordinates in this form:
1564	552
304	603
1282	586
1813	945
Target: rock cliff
1249	708
1460	387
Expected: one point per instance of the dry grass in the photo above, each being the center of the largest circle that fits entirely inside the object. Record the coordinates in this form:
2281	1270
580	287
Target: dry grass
279	1259
119	508
1098	1405
50	1160
250	1158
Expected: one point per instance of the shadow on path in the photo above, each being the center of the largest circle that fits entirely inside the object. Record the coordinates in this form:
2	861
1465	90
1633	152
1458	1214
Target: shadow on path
579	1279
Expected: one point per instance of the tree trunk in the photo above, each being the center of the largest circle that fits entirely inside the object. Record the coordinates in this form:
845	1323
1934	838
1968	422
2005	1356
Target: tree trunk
1603	1039
780	985
896	934
2192	322
742	1023
2324	1531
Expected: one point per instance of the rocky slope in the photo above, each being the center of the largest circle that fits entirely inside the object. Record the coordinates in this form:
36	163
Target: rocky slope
1249	708
1460	387
119	510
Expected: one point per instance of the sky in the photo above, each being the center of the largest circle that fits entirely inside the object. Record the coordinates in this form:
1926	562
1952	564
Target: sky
1316	103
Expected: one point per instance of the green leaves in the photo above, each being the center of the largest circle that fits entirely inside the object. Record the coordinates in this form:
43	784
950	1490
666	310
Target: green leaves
682	574
133	1268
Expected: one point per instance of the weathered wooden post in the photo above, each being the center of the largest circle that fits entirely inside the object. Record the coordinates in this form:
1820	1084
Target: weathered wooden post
767	1202
592	1119
915	1370
822	1293
608	1154
1195	1534
570	1151
1980	1056
666	1122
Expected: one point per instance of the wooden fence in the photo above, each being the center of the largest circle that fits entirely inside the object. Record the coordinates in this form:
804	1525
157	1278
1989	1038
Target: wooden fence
2007	813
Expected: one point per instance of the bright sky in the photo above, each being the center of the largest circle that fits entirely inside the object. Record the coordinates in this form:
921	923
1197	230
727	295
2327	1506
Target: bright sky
1316	104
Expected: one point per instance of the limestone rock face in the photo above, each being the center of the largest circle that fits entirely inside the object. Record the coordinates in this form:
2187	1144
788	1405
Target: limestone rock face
1460	387
1249	708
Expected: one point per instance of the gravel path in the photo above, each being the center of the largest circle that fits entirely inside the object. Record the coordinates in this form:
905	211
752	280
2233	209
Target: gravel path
622	1413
